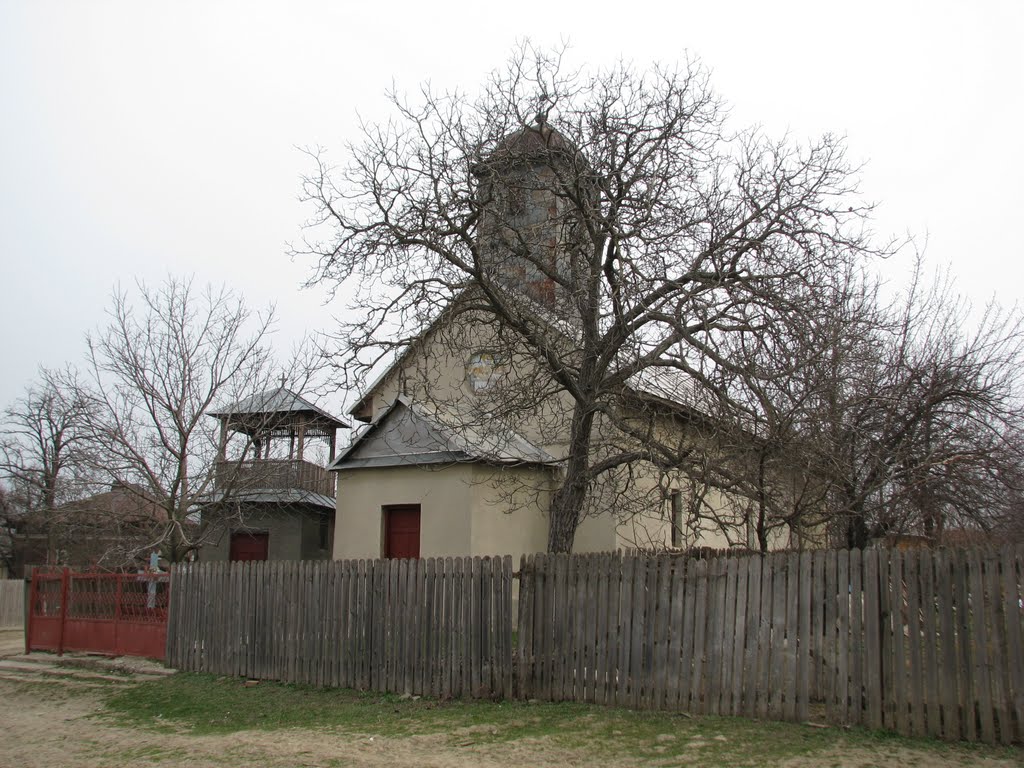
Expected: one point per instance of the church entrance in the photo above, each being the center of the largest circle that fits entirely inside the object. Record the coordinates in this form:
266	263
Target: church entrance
402	531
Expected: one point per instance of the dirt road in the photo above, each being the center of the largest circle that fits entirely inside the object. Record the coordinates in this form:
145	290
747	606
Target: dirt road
52	716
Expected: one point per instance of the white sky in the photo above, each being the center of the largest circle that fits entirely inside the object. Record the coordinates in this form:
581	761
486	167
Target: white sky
141	139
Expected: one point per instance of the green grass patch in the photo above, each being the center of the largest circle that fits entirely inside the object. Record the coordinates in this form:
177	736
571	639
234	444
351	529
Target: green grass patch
203	704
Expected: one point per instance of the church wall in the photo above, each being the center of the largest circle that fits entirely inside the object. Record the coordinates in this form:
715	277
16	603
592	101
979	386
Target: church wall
435	375
509	511
444	495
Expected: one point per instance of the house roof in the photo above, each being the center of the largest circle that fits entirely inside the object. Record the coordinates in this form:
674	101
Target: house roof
671	385
410	433
281	402
282	496
121	504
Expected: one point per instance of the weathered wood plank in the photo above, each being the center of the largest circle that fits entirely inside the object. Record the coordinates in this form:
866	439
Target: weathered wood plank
507	587
738	636
677	597
886	611
697	701
915	689
999	671
687	652
872	640
968	691
818	631
448	651
727	700
930	645
764	638
524	638
803	632
829	640
948	678
778	645
1012	601
792	626
713	636
636	648
855	711
647	683
842	657
620	680
899	656
979	643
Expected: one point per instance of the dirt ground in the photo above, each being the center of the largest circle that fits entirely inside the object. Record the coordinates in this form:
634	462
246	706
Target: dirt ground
58	725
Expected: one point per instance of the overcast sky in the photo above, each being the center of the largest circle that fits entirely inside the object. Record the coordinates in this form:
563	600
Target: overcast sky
141	139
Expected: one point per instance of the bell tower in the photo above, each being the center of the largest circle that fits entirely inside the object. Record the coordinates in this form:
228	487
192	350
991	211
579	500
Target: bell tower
525	211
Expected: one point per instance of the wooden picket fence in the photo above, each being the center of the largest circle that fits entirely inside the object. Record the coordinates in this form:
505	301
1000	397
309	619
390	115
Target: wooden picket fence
12	603
920	642
438	627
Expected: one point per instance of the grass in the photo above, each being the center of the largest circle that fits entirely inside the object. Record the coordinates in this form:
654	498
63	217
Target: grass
203	704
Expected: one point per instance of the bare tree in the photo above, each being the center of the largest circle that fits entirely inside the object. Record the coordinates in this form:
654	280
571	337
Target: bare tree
44	453
154	371
920	433
43	441
607	224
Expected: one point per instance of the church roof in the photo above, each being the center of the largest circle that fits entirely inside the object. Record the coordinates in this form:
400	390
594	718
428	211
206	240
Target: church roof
409	433
535	144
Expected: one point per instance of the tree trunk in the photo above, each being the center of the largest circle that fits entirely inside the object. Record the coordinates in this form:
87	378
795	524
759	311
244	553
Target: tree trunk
567	502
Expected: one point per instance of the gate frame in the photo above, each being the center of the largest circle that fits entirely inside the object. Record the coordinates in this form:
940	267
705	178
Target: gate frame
146	638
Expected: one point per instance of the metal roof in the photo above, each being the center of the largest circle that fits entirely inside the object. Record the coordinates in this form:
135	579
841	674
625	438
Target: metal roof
409	433
278	496
277	401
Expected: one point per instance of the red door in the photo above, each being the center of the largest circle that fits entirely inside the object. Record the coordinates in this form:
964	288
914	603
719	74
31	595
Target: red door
249	546
402	531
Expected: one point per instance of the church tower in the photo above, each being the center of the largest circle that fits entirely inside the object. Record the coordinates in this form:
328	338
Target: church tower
529	187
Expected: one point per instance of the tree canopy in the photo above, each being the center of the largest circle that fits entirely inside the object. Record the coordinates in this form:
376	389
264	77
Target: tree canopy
619	203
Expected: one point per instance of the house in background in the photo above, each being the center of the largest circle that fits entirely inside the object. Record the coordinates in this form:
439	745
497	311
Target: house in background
275	499
112	530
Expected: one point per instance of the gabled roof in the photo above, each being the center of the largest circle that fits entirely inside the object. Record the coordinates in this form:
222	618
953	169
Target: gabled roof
408	433
281	401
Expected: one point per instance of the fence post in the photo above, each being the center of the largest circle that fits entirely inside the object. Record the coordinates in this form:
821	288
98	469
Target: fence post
33	585
117	611
64	579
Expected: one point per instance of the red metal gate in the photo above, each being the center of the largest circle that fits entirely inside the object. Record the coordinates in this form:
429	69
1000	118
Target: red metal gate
118	614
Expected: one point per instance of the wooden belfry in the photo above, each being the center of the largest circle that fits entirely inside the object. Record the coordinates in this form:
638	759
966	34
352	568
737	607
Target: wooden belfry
273	418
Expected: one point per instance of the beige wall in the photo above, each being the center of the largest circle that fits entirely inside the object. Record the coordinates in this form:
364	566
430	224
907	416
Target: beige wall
434	374
443	493
466	509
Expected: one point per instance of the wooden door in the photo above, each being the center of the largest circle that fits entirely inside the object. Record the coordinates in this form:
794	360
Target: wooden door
402	531
249	546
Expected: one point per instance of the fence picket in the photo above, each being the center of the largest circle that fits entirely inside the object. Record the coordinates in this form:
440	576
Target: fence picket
931	641
1011	575
949	682
753	632
979	643
999	673
915	694
961	589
